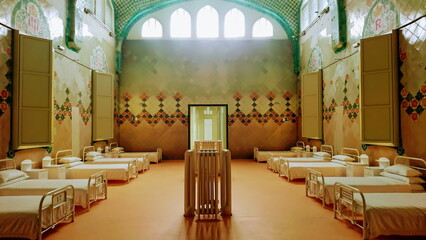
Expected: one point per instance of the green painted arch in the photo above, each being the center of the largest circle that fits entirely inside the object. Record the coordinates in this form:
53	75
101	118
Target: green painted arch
124	31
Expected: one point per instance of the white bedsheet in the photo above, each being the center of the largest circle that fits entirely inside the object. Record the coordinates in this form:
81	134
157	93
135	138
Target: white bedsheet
366	185
262	156
113	171
395	214
151	156
139	161
43	186
328	169
19	216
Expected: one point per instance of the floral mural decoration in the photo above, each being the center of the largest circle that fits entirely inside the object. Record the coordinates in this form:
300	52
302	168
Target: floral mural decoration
98	60
315	60
28	16
382	17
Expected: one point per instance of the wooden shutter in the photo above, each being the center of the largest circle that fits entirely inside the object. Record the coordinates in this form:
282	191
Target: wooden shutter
379	90
32	92
312	105
103	106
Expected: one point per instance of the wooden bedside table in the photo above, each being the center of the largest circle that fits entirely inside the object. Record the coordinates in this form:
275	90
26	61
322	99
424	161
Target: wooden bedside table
355	169
372	171
56	171
37	173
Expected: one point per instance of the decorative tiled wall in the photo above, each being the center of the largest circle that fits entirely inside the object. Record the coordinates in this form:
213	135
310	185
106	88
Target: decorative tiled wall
254	78
72	74
341	72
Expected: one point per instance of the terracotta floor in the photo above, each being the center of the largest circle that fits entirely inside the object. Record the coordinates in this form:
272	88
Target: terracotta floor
151	207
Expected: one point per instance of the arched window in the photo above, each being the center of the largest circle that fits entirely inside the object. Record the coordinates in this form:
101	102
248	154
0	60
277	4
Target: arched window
180	24
263	28
310	10
234	24
207	22
152	28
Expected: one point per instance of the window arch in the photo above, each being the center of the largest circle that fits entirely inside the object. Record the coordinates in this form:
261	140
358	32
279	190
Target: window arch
263	28
234	24
152	28
180	24
310	10
207	22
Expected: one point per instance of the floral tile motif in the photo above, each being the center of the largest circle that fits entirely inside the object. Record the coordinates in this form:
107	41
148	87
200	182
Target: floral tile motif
414	105
175	116
327	112
64	110
28	16
350	109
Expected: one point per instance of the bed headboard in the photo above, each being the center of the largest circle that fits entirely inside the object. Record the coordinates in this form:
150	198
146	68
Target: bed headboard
113	145
327	148
62	153
351	152
416	163
6	164
300	144
87	149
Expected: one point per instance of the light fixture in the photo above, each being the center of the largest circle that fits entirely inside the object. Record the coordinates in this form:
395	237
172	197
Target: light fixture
355	45
59	47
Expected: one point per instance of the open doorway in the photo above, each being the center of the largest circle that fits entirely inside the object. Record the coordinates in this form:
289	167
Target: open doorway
208	122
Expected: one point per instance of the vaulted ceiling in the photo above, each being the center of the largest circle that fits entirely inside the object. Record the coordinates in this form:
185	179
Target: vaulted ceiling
129	11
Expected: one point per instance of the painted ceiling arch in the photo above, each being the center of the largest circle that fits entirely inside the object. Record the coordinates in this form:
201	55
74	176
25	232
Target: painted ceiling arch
286	12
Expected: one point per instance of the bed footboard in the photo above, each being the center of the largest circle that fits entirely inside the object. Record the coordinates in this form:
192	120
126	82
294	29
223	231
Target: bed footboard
96	188
284	169
314	185
347	207
61	209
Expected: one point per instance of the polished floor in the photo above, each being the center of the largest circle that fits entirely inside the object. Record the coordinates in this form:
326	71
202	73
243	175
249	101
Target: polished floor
264	207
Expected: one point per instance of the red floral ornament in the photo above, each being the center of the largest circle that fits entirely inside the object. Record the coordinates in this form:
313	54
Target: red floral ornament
423	89
402	54
288	95
415	116
4	94
254	95
405	104
404	92
237	95
4	106
414	103
424	102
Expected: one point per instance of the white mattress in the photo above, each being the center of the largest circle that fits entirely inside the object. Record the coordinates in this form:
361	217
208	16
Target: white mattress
262	156
139	161
366	184
151	156
19	215
275	162
42	186
113	171
395	214
328	169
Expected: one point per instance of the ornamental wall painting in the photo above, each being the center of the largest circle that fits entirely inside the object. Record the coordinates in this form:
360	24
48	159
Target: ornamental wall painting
381	18
28	16
98	60
315	60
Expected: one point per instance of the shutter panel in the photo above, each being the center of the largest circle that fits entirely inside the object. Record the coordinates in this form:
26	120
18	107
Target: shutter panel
103	106
32	89
379	91
312	105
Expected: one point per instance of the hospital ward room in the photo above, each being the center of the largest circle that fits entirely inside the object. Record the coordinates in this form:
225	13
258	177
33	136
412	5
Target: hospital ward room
213	119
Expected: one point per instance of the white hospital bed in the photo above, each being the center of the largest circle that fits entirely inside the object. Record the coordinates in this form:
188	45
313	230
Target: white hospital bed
298	170
381	213
31	216
321	187
122	172
86	191
277	162
263	156
153	157
141	162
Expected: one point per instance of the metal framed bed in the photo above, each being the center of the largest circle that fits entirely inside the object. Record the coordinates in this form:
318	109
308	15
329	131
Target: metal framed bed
299	170
31	216
316	185
86	191
263	156
123	172
153	157
381	213
276	165
138	163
